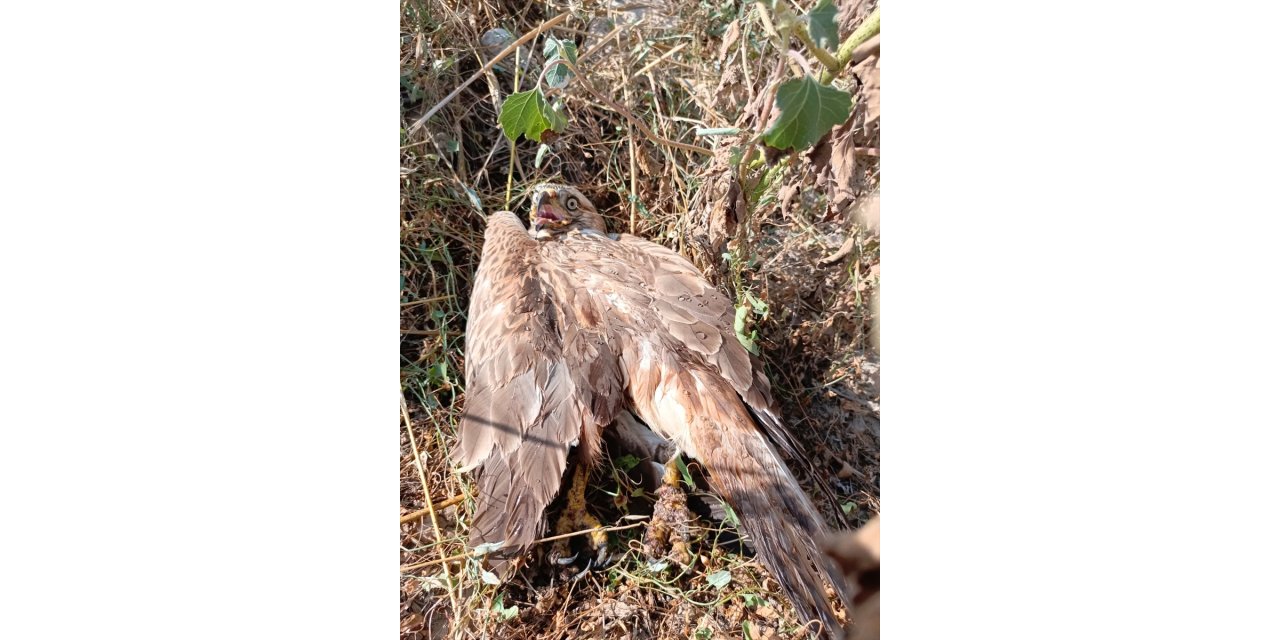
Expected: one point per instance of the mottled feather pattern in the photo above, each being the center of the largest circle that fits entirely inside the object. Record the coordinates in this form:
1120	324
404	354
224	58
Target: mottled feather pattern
523	410
568	328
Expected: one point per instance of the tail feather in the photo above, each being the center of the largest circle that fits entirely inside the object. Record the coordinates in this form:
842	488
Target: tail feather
782	523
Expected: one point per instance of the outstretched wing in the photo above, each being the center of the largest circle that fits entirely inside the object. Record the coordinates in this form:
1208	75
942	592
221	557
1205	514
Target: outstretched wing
686	303
696	313
524	408
690	379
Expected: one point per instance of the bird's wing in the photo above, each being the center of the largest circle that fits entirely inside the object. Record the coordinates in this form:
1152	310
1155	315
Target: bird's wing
690	307
525	406
689	378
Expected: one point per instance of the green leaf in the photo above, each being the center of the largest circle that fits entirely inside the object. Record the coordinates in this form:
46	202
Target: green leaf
558	75
822	25
718	579
527	112
808	110
558	119
504	613
627	462
752	600
684	472
542	153
488	577
488	547
730	516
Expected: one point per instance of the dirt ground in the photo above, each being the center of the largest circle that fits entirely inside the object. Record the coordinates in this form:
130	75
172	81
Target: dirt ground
796	233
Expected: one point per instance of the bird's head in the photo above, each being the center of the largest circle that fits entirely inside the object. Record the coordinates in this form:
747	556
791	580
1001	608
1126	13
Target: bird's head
558	208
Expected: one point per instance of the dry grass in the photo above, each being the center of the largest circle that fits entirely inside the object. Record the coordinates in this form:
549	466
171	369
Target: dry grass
680	67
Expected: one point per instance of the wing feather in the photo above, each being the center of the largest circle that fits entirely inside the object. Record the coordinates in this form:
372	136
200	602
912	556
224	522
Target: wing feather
525	407
687	305
564	334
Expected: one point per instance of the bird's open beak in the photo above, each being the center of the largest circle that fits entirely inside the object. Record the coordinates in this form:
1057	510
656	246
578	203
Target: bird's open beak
547	211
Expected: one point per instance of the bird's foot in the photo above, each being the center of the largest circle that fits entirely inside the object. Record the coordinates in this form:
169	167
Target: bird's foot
576	518
667	535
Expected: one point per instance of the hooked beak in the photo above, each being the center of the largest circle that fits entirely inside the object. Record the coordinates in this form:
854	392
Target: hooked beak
545	214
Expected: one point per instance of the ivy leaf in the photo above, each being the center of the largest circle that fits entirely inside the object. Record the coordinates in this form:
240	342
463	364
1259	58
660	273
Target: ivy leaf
718	579
558	120
807	111
527	112
822	25
554	49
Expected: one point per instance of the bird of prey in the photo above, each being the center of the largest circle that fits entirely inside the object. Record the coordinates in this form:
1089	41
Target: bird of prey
569	327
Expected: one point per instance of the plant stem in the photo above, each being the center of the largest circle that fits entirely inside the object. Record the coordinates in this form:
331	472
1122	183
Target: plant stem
511	166
868	28
829	61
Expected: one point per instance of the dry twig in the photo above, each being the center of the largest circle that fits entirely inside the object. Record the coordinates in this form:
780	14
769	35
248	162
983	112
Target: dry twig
489	65
426	491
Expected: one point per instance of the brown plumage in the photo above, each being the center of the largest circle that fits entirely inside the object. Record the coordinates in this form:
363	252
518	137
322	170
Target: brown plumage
568	327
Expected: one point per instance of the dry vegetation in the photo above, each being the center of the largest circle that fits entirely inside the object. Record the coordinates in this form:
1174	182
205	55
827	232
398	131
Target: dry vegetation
797	231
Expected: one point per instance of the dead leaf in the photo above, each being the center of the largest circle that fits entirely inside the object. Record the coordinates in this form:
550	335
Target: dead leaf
869	95
845	472
410	622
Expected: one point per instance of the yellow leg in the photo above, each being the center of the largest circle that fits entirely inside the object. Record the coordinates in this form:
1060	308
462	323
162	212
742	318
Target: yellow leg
576	517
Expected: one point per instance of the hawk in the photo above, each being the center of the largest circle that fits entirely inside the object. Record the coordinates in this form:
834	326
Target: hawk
569	327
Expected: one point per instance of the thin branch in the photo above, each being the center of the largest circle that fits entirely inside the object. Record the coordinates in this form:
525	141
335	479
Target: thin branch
496	59
648	133
662	57
600	44
763	11
443	504
422	476
462	556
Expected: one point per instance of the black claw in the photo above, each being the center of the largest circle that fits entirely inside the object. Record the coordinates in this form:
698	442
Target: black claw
602	557
566	561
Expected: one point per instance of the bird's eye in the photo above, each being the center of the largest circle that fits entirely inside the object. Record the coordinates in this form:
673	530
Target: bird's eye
571	204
